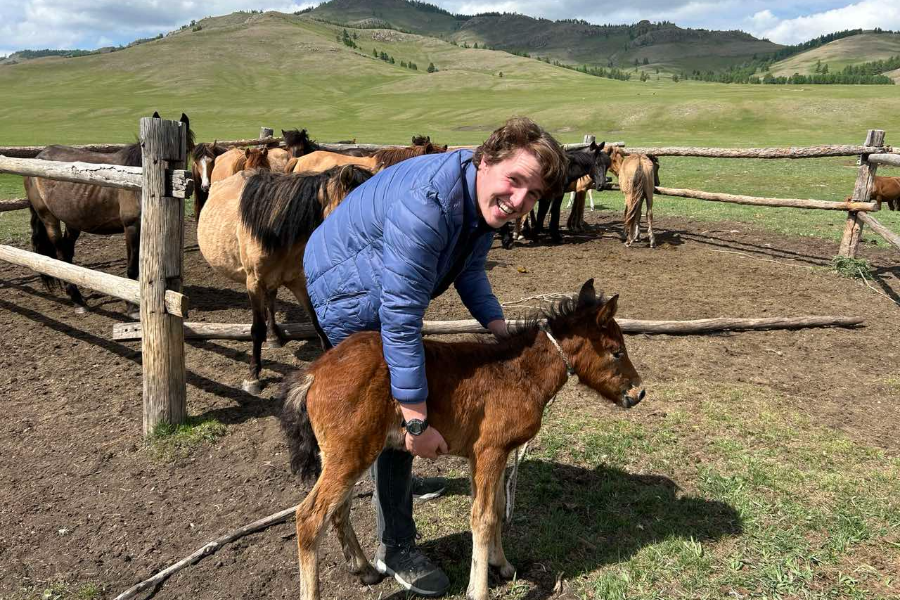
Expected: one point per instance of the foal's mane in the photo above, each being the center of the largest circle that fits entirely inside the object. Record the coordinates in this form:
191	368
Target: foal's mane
299	138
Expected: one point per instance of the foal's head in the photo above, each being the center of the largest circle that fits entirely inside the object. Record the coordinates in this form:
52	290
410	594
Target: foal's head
594	346
257	158
204	157
340	181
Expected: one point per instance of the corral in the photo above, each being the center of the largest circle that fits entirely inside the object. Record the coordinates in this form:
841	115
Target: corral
90	503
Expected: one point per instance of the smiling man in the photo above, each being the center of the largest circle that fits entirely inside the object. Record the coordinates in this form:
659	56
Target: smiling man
395	243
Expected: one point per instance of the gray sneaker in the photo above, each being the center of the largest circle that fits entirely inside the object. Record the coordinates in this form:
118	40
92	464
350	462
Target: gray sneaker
412	570
427	488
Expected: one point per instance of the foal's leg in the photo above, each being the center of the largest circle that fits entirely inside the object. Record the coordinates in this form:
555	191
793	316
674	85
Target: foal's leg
487	471
257	295
320	504
555	207
496	556
353	553
650	222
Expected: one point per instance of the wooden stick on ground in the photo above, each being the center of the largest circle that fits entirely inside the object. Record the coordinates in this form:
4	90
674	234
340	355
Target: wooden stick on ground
208	549
303	331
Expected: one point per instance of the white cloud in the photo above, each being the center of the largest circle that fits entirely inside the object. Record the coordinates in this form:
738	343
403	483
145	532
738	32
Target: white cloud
867	14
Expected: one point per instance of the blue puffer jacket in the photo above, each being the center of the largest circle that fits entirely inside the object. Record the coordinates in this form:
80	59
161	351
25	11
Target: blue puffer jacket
378	259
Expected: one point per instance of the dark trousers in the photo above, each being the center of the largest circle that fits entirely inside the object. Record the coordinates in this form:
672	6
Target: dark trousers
392	473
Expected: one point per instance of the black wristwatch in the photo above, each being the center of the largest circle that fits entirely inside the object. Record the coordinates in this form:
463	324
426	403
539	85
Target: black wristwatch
416	427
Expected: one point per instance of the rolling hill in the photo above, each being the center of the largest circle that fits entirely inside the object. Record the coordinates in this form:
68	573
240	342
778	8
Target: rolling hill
838	54
573	42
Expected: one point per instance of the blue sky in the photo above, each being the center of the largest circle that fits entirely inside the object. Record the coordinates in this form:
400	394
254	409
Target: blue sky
89	24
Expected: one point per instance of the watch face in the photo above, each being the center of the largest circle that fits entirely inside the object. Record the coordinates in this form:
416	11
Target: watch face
415	427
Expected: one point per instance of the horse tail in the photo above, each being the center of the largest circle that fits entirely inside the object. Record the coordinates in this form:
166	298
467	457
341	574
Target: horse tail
40	243
301	439
635	199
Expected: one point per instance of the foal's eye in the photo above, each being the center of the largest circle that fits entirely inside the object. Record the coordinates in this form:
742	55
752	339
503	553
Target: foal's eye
617	354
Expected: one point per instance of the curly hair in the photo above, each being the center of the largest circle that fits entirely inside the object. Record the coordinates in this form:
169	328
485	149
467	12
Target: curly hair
521	132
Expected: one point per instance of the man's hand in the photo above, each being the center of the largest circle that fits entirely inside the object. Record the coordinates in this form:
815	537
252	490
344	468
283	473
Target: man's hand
499	329
430	444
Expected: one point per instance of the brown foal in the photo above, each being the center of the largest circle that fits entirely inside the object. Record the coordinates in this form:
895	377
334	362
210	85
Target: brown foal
486	399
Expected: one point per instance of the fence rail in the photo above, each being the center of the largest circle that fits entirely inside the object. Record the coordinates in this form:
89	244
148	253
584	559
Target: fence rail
179	185
757	201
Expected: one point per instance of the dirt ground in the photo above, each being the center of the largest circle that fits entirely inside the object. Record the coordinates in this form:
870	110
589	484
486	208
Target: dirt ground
82	499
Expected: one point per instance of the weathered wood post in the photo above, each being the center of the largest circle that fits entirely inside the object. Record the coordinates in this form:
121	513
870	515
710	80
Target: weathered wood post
265	133
862	192
164	147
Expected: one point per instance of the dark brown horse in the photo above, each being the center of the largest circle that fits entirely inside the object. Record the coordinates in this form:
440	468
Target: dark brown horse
486	400
203	160
254	229
61	211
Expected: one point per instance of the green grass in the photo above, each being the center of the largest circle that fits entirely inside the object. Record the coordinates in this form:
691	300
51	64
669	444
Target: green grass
60	590
169	442
305	78
741	496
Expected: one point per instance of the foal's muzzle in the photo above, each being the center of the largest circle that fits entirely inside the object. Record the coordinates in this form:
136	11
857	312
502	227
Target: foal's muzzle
633	396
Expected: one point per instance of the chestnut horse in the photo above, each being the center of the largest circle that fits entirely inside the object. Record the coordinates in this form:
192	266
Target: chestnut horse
887	189
236	160
85	207
486	400
254	229
321	160
638	174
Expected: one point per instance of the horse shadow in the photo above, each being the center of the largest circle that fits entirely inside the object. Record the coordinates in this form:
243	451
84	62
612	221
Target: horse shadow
570	521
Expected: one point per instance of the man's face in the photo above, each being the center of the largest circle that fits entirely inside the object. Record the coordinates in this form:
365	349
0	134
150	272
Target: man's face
508	189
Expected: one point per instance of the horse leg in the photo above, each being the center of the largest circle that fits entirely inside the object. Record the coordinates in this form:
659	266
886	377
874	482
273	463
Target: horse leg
487	471
64	247
506	236
555	207
257	295
496	556
591	196
650	222
538	222
274	336
298	288
518	234
132	252
353	553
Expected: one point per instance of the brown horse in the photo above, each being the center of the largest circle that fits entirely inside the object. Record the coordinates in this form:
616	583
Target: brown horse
236	160
203	159
82	207
638	174
887	189
321	160
580	191
297	144
254	229
486	400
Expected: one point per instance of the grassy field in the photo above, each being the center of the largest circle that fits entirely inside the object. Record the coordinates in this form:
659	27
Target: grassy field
841	53
337	93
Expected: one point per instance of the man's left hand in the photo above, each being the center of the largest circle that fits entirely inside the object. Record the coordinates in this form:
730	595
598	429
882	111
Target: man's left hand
499	329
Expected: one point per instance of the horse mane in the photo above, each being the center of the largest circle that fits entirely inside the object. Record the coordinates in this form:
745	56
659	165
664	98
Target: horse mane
387	157
421	140
282	209
132	155
299	138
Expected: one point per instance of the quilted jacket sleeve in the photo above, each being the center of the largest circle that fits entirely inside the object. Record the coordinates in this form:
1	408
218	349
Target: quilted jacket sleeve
473	286
415	232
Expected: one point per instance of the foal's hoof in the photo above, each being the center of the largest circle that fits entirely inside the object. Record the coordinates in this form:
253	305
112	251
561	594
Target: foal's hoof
506	571
273	343
81	310
252	387
370	576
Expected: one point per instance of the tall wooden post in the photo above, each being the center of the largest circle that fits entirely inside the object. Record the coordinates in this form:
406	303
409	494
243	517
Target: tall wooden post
862	192
164	146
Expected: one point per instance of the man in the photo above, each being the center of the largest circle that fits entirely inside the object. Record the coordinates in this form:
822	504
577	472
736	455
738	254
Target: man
398	241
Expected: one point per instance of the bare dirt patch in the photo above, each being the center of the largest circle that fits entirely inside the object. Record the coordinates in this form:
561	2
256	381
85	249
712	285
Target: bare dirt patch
82	499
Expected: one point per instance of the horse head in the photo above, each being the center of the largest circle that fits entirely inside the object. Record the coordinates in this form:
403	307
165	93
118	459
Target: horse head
257	158
340	181
420	140
204	158
592	343
601	165
298	142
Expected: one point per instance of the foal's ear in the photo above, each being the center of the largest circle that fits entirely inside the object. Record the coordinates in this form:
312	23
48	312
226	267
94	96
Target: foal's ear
587	296
608	311
600	146
155	114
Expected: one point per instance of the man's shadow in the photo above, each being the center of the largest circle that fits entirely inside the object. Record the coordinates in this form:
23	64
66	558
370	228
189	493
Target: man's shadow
569	521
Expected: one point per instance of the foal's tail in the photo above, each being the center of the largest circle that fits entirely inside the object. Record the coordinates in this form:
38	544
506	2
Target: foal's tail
301	439
40	243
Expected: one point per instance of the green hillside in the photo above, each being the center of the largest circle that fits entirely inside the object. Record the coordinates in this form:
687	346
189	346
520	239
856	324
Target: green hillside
574	42
838	54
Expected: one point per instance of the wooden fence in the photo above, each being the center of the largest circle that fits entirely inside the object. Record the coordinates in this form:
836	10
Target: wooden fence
164	183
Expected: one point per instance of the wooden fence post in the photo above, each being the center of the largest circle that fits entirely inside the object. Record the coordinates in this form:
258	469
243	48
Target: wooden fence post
164	147
862	191
265	133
